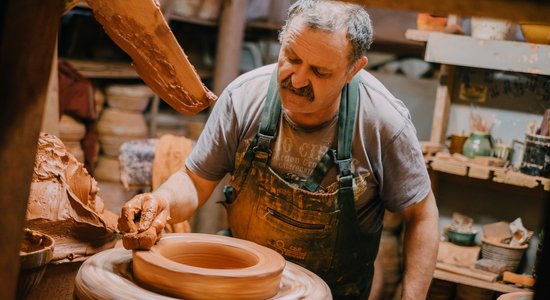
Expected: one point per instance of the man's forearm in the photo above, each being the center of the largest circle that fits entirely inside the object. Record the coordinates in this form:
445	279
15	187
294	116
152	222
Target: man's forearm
420	251
180	194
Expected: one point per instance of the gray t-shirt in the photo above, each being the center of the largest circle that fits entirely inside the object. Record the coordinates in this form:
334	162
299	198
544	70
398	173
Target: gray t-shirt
386	154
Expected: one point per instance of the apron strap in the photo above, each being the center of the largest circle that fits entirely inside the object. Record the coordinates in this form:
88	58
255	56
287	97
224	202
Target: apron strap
348	106
342	157
314	180
260	147
270	116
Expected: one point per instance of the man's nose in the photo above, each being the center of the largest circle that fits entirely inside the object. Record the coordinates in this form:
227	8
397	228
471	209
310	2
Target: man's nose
300	78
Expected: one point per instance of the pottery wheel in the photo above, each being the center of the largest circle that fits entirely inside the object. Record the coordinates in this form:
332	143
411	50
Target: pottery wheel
109	275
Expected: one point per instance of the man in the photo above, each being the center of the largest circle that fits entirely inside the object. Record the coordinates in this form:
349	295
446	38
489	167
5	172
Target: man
317	149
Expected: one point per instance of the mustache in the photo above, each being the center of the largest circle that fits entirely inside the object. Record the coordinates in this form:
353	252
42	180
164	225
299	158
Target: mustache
306	91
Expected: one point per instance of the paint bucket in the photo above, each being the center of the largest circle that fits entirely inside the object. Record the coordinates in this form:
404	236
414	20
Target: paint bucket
536	155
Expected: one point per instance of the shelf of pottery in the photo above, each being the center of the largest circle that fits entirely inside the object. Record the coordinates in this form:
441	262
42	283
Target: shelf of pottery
512	74
492	46
122	120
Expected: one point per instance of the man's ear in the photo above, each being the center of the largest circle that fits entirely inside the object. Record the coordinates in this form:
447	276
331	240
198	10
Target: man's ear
357	66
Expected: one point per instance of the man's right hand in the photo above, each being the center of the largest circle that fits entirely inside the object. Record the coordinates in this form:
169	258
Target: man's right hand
142	220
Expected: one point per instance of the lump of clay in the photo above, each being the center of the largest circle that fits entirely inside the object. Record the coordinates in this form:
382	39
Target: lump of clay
63	203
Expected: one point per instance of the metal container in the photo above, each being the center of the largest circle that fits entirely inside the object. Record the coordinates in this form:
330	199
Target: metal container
536	156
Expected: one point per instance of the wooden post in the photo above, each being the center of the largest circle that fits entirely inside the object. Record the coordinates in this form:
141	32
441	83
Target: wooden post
28	31
278	11
230	42
442	105
50	122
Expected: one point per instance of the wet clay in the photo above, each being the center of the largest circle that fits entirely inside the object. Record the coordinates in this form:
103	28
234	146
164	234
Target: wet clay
109	275
187	265
139	28
63	203
34	241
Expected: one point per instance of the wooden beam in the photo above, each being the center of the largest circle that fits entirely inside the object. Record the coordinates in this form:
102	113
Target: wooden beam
531	10
27	40
488	54
50	122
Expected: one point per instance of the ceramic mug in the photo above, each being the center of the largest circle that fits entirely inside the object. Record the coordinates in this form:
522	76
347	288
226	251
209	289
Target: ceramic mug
457	142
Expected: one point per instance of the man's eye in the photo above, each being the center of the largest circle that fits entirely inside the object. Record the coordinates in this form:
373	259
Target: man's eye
294	61
318	73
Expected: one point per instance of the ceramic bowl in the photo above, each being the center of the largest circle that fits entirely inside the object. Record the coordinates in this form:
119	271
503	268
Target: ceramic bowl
461	238
35	253
536	33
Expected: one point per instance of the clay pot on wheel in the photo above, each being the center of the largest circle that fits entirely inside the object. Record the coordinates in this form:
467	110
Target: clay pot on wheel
189	265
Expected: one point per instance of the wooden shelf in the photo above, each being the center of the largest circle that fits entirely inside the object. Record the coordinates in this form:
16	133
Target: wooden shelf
500	55
533	10
103	69
275	26
461	279
193	20
113	69
500	178
417	35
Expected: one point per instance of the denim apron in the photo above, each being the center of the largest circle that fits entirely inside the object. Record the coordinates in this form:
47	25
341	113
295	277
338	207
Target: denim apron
318	231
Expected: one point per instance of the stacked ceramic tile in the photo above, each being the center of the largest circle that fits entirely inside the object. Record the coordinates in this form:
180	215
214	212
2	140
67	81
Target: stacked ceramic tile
121	121
71	133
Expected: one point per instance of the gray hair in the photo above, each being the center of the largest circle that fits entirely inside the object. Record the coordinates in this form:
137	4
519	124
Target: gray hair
332	16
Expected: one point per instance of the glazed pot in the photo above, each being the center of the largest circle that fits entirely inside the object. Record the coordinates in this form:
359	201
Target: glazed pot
478	144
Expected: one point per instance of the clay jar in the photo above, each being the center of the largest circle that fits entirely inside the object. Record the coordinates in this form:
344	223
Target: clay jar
188	265
478	144
457	143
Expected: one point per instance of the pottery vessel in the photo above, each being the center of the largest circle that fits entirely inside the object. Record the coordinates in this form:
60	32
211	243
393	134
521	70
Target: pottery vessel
478	144
35	254
188	265
111	275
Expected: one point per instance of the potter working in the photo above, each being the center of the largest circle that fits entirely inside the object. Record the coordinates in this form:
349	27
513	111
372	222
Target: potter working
317	149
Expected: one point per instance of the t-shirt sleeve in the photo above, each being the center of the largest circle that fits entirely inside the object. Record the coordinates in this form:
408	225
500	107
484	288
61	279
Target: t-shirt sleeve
405	177
213	155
